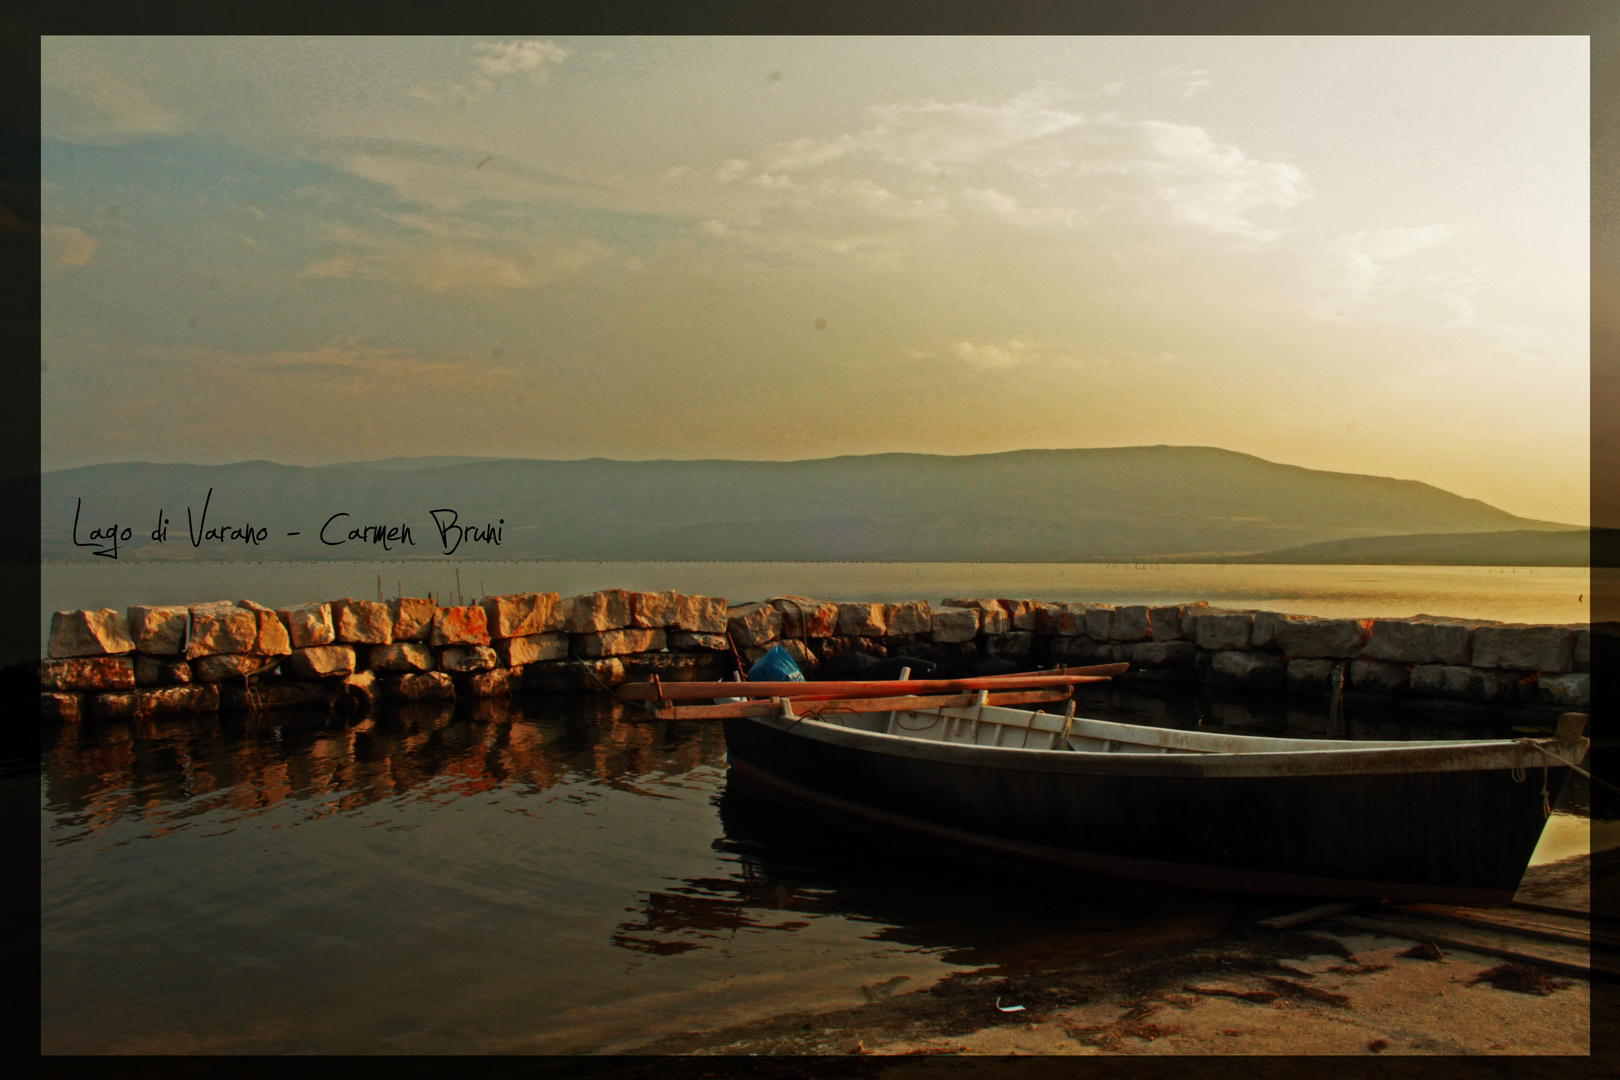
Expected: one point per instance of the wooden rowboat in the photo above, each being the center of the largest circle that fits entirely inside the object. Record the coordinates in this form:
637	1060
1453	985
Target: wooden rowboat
1446	821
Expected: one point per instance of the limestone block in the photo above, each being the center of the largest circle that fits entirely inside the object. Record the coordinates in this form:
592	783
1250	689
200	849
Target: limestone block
1379	676
993	617
861	620
1223	630
413	619
572	676
362	622
1457	681
687	641
618	643
1162	654
522	614
496	682
1428	679
1525	648
463	658
89	633
221	628
160	631
1309	676
1049	618
1172	622
794	647
420	686
1262	628
1100	621
272	639
319	662
1073	651
400	656
1130	623
597	611
803	617
904	620
752	624
140	704
653	610
1410	642
949	624
1583	649
1502	687
458	626
1021	613
676	667
54	705
218	667
308	625
1071	620
1574	688
531	648
160	670
1015	645
88	673
1250	670
1322	637
700	614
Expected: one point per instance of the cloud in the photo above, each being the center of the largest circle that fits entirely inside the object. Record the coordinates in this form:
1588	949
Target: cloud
63	248
440	264
527	58
1197	83
1007	355
102	104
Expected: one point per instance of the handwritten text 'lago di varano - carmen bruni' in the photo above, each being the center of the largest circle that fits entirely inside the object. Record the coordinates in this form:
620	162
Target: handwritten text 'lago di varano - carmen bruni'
336	530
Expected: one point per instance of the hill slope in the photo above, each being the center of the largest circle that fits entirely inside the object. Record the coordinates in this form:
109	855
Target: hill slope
1122	503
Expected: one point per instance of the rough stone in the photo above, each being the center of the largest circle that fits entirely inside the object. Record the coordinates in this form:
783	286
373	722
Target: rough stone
218	667
60	707
272	639
827	648
420	686
88	673
1021	613
1170	622
953	624
1473	684
160	631
1222	630
413	618
1162	654
1130	623
903	620
1049	618
308	625
1099	621
653	610
1087	650
1380	676
1335	638
1409	642
687	641
161	670
751	624
617	643
803	617
1583	649
521	614
700	614
861	620
221	628
103	632
570	676
1574	688
1310	676
140	704
1014	645
595	612
362	622
458	626
464	658
495	682
794	647
676	667
1525	648
993	617
400	656
319	662
531	648
1249	670
1428	680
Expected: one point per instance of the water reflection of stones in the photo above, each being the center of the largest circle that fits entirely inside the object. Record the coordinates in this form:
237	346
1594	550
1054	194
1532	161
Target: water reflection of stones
168	769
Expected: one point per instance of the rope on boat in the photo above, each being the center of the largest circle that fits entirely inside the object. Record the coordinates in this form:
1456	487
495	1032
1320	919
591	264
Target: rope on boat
1518	770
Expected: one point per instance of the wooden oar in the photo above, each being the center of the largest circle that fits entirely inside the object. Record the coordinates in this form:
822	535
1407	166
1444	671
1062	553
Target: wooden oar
693	691
1093	669
847	705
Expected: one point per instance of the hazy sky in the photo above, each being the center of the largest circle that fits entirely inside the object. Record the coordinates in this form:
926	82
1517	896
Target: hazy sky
1360	254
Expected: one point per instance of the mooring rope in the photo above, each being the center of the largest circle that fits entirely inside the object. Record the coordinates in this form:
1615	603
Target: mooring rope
1518	770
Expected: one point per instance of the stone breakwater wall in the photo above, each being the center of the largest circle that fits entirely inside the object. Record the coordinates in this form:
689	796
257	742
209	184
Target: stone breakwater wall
350	653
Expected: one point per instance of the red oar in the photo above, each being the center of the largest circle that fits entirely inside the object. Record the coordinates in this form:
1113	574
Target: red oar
814	706
696	691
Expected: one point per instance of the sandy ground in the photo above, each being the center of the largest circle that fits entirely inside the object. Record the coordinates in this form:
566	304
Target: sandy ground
1322	988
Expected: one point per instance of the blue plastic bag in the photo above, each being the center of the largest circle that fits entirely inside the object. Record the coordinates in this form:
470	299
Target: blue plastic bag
775	666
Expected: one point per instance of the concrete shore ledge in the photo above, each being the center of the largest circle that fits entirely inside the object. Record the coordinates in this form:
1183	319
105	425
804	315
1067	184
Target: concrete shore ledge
347	653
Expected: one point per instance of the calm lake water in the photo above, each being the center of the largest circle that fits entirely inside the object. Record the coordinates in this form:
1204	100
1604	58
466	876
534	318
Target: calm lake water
1506	594
540	876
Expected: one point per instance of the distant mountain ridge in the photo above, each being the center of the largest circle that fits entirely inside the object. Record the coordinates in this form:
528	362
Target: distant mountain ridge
1113	504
